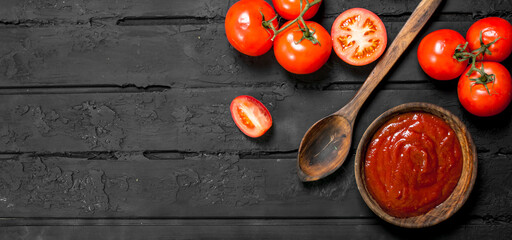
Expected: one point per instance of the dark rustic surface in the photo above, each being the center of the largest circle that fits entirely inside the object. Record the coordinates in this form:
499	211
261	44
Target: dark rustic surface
114	124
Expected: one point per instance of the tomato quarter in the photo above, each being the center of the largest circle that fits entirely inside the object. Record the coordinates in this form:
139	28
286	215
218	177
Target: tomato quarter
491	28
476	99
290	9
435	54
250	116
244	28
359	36
302	56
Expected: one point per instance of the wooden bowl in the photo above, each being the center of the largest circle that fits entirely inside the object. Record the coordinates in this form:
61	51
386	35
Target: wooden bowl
461	191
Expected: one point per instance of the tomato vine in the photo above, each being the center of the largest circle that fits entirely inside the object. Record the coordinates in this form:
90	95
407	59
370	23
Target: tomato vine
461	54
307	33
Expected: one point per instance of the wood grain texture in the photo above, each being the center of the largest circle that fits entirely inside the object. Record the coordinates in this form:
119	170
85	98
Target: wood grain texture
180	121
80	11
114	124
154	186
252	229
183	56
207	186
324	147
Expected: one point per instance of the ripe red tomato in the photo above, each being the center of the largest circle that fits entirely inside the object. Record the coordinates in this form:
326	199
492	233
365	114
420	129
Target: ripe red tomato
474	97
491	28
359	36
250	115
244	28
435	54
290	9
302	57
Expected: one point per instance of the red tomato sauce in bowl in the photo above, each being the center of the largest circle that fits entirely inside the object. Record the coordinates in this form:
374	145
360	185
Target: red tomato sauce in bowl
412	164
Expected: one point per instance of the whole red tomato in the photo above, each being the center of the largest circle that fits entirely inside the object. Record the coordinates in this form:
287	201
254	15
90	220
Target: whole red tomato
290	9
435	54
244	28
302	56
491	28
475	98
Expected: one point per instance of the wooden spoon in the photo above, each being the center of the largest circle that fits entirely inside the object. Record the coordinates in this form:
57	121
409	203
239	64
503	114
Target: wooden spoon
326	144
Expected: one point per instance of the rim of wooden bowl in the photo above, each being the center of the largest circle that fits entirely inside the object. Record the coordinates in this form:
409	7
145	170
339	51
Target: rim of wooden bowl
459	194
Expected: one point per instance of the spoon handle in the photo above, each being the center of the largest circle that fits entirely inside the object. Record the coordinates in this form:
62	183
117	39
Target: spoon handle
411	28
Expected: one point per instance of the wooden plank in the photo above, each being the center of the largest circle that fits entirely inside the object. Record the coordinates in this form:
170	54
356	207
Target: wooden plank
175	56
139	144
198	120
197	186
208	186
397	7
256	229
81	11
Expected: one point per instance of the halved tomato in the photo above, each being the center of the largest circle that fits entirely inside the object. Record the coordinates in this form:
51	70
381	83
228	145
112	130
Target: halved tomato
250	116
358	36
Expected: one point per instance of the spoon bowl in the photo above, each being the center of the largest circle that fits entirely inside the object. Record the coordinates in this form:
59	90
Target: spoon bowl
324	147
327	143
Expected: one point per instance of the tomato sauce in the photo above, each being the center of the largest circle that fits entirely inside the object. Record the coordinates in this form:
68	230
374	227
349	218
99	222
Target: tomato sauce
412	164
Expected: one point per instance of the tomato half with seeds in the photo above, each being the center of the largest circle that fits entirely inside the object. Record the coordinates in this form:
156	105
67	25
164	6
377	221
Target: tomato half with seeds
482	101
359	37
250	116
244	28
290	9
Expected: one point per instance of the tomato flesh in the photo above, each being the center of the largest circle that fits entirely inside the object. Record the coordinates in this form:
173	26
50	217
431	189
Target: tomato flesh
359	36
250	116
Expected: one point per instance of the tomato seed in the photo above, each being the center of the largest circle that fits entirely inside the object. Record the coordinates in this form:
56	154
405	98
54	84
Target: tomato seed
368	51
349	21
345	43
245	120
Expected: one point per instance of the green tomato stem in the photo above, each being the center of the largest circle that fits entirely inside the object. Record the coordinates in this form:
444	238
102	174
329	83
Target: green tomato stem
461	54
305	29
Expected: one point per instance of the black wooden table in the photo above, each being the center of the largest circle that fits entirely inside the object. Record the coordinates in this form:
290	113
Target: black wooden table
115	124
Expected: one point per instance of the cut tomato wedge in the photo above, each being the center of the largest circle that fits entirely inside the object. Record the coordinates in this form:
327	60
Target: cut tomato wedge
250	116
358	36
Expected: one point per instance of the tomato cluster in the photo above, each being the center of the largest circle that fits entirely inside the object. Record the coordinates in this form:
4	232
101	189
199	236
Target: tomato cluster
358	36
300	47
485	86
